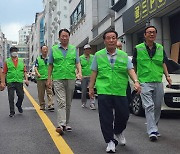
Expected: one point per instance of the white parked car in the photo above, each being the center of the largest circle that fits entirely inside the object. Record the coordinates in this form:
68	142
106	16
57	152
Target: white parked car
32	75
171	96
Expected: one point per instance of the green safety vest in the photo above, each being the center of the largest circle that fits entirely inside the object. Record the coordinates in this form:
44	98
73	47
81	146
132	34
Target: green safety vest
15	74
86	65
149	69
112	80
64	67
42	69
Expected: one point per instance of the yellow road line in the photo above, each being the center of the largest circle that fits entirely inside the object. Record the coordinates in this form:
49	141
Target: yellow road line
60	143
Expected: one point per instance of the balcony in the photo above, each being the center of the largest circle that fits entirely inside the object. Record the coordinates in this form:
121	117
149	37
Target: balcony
54	2
59	12
56	27
59	21
53	23
53	31
55	19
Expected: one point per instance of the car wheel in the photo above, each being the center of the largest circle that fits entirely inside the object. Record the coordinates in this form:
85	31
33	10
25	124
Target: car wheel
136	105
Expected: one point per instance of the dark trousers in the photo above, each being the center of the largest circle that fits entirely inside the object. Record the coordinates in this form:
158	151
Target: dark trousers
84	85
12	87
128	94
113	115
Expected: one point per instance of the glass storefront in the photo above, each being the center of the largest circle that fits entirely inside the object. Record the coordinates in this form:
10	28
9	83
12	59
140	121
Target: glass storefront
174	22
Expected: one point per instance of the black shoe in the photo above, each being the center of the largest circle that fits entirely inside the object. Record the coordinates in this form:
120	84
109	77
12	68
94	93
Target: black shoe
60	130
158	134
153	137
68	128
42	107
19	109
11	115
51	108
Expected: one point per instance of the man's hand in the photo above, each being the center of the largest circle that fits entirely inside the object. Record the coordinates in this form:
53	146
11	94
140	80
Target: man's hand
168	78
137	87
27	83
2	86
49	83
38	75
91	93
79	76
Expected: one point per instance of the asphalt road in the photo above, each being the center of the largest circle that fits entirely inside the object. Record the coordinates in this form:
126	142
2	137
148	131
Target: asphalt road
26	133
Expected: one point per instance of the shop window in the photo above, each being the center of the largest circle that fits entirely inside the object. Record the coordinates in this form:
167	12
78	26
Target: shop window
112	2
140	37
174	22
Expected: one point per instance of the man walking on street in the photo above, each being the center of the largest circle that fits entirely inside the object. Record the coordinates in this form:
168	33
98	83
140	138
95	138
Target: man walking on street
41	70
86	61
63	62
149	60
14	71
110	69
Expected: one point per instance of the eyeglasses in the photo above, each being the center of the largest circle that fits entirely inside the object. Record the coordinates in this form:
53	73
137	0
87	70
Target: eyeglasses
151	32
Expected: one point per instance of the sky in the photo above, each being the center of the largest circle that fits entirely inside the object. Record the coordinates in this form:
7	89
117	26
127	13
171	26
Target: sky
15	14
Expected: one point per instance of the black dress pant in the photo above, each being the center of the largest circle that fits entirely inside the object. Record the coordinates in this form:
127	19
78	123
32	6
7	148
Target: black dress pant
113	115
12	87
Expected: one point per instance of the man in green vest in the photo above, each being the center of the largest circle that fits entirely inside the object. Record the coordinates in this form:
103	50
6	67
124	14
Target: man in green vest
149	60
110	70
41	70
63	63
14	71
86	61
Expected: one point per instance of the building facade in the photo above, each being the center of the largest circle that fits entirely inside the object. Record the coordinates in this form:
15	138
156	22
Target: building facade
131	17
3	46
56	17
31	44
23	34
89	19
23	52
36	38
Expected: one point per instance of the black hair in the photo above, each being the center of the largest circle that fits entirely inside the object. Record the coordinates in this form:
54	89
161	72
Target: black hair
14	49
65	30
110	31
150	27
43	46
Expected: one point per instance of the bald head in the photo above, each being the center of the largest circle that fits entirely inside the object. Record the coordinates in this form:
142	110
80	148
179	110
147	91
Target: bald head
119	45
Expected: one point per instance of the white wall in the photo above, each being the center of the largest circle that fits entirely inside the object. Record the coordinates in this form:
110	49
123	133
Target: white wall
56	18
83	30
